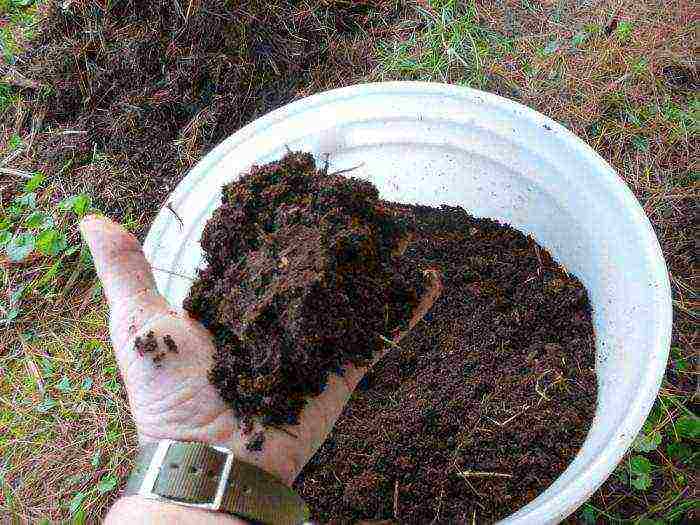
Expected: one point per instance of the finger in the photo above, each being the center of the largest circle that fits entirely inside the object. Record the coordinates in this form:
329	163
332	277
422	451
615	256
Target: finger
126	277
119	261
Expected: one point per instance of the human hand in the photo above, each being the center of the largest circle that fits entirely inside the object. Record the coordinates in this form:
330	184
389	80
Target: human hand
172	398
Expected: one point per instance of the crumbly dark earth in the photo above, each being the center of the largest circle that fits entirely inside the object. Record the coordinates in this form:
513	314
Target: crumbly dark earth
144	88
487	401
303	276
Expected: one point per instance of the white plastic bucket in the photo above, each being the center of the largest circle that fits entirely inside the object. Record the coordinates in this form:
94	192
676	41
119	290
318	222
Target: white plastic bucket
433	144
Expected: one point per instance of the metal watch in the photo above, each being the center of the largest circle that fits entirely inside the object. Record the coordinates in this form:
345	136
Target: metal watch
207	477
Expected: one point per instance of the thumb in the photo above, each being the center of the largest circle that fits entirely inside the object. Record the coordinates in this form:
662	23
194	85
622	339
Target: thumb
126	277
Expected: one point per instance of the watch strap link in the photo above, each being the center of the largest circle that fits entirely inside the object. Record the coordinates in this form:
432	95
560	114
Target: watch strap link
207	477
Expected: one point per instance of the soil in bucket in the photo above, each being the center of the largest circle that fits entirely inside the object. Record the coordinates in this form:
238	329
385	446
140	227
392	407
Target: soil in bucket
487	401
477	410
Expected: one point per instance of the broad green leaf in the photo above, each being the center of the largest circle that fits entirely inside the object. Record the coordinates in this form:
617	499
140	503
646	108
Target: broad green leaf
46	405
15	210
688	427
35	219
67	203
14	142
51	242
11	315
78	518
624	30
78	204
20	247
647	442
649	521
47	366
64	385
641	482
640	465
96	458
81	205
76	502
5	237
35	182
107	483
579	38
641	143
86	257
679	360
5	223
679	451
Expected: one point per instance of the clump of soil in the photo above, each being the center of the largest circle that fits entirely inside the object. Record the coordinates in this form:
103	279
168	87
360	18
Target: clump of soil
148	345
303	275
486	402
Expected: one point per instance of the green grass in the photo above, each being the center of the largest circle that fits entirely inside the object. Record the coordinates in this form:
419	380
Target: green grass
451	47
59	385
21	19
61	392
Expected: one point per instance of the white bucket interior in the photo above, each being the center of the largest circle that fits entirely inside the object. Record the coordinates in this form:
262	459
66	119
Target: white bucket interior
435	144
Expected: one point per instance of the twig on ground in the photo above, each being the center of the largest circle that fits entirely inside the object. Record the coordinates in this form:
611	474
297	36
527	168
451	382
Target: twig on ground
389	342
17	173
542	393
504	423
477	474
396	499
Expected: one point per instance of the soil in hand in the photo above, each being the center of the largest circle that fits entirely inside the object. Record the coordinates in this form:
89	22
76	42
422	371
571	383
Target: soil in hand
487	401
304	274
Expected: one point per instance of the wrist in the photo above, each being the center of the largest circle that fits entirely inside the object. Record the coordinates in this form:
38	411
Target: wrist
138	510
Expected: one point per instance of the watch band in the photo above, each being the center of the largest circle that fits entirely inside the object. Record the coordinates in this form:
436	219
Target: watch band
207	477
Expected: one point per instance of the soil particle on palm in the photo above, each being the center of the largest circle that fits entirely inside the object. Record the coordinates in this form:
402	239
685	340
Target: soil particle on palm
303	276
148	345
170	344
256	442
486	402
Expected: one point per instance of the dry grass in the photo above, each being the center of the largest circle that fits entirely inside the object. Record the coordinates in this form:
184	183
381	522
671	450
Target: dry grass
612	71
63	419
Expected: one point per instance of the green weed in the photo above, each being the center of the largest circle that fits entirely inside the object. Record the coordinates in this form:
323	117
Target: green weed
624	31
30	228
22	19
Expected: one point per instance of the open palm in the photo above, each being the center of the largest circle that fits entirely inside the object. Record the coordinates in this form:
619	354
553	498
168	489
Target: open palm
171	398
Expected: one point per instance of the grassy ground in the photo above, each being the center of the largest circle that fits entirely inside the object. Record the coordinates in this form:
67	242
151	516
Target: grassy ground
620	74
